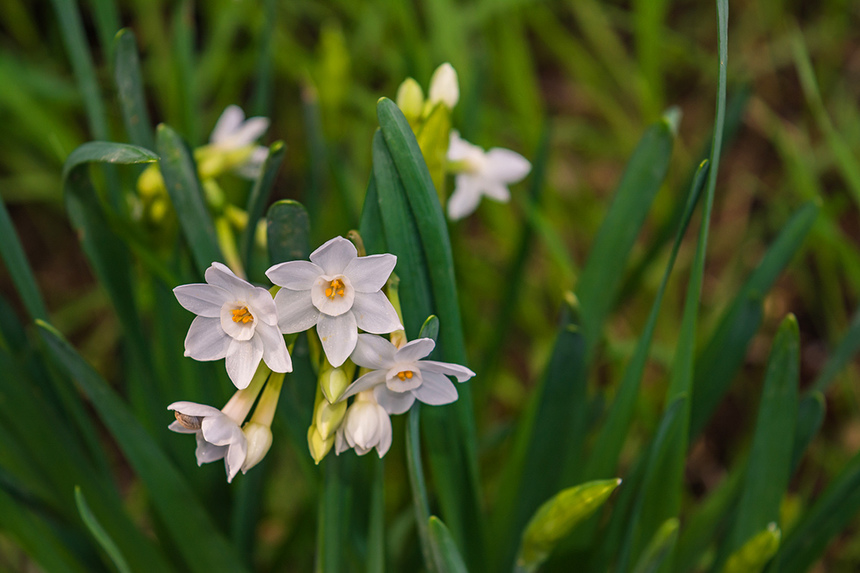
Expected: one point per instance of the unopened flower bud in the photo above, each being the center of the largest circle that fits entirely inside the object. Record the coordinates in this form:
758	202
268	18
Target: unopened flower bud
329	417
259	438
444	86
318	446
332	383
410	99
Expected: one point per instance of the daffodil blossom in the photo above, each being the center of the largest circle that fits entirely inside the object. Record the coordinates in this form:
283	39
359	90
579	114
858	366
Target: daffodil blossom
233	132
399	376
218	433
235	320
481	173
366	426
338	292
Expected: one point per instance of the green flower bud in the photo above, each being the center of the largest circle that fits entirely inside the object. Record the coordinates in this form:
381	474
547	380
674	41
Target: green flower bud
318	446
410	99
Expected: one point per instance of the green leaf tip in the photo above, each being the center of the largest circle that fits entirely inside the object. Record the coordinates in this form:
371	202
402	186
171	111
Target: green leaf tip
789	325
48	327
122	32
756	552
672	117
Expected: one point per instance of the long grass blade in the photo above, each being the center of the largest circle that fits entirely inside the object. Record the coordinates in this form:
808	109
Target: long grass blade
129	84
18	267
257	199
102	536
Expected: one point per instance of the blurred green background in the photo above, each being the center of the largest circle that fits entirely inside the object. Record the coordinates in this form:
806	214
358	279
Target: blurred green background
588	76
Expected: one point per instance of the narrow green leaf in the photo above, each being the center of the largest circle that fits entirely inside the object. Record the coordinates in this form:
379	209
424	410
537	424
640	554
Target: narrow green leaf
419	488
430	328
830	514
102	536
725	350
659	548
107	152
810	415
184	69
433	140
370	226
600	279
129	84
376	525
18	267
555	416
288	232
753	555
557	517
107	23
843	354
334	514
194	535
180	177
445	551
257	199
263	87
769	465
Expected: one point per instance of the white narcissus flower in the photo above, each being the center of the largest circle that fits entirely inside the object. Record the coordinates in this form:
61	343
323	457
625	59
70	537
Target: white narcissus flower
233	132
481	173
444	86
218	434
338	292
235	320
365	426
399	376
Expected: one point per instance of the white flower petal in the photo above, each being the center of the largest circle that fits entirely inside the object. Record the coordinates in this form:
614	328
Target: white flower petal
374	313
275	352
385	433
202	299
340	444
465	198
235	458
230	120
369	274
220	430
393	402
175	426
206	340
461	150
248	132
334	255
220	275
496	191
253	166
460	372
373	351
338	335
436	390
194	409
243	357
207	452
415	350
296	311
505	166
295	275
262	305
366	382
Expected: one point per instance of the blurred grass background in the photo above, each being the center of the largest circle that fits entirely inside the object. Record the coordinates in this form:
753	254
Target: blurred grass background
587	75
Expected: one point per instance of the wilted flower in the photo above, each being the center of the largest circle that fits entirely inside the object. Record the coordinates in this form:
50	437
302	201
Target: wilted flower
366	426
338	292
399	376
218	433
481	173
235	320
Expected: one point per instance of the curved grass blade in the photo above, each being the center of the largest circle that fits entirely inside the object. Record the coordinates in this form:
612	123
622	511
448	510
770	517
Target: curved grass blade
600	279
129	84
257	199
180	177
193	534
810	415
769	466
556	517
102	536
845	351
376	525
659	548
335	508
18	267
419	486
448	559
725	350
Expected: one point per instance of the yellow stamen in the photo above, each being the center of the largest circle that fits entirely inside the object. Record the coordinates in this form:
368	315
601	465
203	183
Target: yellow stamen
336	287
405	375
243	315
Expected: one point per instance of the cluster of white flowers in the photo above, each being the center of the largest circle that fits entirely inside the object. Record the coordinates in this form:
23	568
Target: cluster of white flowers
337	292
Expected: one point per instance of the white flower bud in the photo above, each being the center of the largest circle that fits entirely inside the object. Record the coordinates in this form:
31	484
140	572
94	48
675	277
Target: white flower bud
259	438
444	86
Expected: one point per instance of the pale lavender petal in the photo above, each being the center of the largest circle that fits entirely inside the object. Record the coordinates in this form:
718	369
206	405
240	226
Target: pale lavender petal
275	352
338	335
393	402
460	372
369	274
220	275
415	350
207	452
295	275
505	166
206	340
436	390
365	382
334	256
230	120
373	351
374	313
202	299
465	198
194	409
243	357
296	311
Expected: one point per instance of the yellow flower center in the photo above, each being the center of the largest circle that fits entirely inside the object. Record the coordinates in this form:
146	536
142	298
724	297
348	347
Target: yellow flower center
243	315
334	288
405	375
